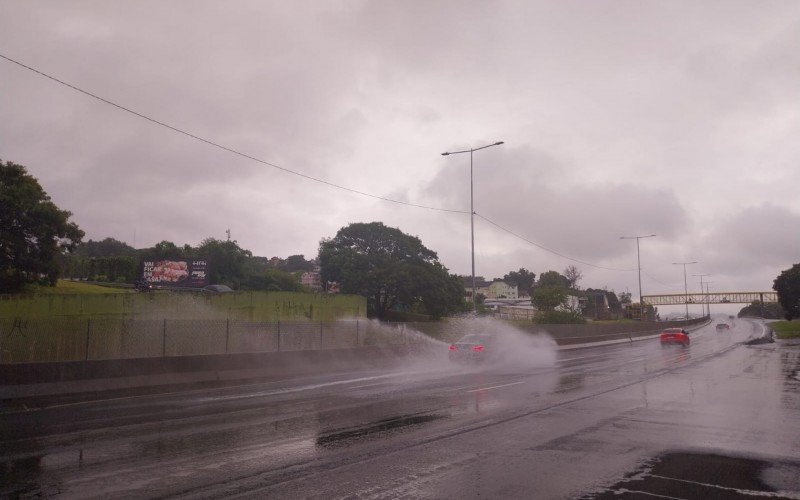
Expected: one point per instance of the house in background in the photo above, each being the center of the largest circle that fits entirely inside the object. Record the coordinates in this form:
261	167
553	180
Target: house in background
496	289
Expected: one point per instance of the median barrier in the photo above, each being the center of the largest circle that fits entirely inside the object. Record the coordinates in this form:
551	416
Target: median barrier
69	377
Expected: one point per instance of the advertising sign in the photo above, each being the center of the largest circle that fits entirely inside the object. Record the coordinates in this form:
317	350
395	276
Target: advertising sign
177	273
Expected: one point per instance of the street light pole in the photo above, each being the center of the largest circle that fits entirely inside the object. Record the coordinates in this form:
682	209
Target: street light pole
709	299
701	290
685	285
472	213
639	266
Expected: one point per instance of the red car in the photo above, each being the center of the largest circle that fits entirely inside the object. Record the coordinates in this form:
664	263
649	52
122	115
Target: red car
675	336
471	348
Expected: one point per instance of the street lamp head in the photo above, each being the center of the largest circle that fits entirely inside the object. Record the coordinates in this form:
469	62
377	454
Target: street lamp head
445	154
499	143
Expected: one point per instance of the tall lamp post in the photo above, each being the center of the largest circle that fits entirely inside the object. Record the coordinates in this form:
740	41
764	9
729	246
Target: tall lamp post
701	290
709	298
685	285
472	212
639	266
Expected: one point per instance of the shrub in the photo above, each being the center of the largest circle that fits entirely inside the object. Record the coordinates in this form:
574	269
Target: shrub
558	318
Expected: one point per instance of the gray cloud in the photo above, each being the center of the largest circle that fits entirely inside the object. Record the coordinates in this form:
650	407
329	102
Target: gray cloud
620	118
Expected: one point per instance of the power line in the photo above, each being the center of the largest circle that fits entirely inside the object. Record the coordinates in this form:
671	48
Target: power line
659	281
537	245
226	148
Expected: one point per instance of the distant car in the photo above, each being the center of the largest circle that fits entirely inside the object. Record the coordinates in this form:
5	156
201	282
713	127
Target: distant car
723	326
472	348
674	336
217	288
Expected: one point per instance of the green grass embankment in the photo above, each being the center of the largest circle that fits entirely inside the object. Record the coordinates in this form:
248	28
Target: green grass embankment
786	329
72	288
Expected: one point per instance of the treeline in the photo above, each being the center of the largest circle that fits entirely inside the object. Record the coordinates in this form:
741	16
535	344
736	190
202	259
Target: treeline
549	294
114	261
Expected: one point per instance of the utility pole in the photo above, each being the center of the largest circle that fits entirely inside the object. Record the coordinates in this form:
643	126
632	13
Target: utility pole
472	214
639	267
685	285
701	291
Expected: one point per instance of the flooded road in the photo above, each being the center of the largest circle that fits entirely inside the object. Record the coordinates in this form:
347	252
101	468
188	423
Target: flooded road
580	423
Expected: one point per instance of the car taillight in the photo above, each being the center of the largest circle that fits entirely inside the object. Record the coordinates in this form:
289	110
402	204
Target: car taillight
477	348
453	348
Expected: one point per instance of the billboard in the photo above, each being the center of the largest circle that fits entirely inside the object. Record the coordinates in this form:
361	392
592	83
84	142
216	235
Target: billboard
178	273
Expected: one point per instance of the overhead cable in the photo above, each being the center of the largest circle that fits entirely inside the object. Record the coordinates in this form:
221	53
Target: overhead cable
226	148
542	247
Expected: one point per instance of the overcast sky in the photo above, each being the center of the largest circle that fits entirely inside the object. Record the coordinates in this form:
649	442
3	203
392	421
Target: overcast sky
619	118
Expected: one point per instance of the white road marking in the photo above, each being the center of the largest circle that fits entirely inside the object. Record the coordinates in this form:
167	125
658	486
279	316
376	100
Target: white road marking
495	387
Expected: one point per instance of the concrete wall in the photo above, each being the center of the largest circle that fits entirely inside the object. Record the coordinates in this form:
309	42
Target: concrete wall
41	379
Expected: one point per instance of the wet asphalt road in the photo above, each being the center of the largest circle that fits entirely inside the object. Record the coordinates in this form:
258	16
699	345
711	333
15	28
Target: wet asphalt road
715	420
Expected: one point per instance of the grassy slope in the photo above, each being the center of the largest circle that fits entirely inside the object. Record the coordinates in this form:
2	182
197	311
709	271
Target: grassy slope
786	329
74	287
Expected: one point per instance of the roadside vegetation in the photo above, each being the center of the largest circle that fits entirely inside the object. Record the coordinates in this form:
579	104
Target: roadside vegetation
65	287
786	329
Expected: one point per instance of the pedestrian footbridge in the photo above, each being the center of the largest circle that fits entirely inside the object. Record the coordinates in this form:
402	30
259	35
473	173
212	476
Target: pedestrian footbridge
710	298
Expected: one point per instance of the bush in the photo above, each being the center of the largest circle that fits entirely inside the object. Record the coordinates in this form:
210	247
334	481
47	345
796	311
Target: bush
558	318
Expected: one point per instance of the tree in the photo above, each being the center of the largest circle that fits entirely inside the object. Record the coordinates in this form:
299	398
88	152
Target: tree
552	278
787	284
625	298
523	278
167	250
547	298
573	276
390	268
294	263
34	232
272	280
769	310
109	247
226	261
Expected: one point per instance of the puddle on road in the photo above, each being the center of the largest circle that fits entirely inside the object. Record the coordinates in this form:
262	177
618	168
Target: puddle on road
373	430
689	475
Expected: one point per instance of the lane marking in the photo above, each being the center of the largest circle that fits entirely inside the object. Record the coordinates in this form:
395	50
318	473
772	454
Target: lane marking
185	393
647	493
757	493
496	386
289	390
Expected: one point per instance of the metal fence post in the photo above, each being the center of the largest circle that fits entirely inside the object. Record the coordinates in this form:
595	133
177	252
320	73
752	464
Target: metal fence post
227	333
88	330
164	340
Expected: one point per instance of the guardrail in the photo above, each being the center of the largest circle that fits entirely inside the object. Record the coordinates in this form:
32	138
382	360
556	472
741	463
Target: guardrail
30	340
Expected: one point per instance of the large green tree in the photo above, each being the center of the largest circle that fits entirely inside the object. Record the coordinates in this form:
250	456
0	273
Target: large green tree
226	261
34	232
391	269
523	278
787	284
547	298
553	278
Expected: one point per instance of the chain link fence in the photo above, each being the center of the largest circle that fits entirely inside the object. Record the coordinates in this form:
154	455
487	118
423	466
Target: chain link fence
26	340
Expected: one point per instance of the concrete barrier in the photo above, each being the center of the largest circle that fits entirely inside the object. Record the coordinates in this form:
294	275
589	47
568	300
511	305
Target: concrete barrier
41	379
